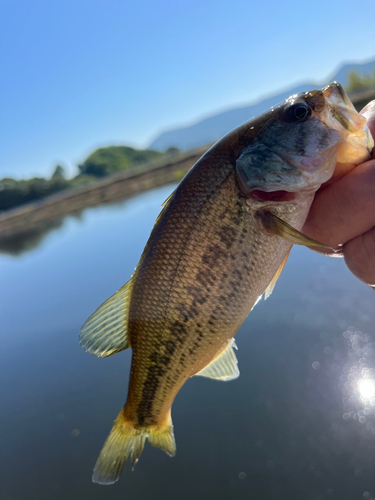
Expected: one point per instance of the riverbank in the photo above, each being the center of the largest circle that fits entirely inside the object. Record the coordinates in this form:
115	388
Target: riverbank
35	215
360	99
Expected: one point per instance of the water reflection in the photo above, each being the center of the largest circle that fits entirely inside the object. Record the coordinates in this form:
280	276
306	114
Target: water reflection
277	432
28	240
356	382
366	388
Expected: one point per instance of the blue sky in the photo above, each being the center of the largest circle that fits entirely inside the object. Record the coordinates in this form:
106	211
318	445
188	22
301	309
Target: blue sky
78	74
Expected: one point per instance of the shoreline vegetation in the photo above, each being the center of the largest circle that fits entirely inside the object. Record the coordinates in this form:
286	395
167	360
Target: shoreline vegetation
101	163
22	228
107	175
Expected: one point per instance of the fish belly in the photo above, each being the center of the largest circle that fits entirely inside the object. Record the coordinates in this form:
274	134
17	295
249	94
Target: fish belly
196	282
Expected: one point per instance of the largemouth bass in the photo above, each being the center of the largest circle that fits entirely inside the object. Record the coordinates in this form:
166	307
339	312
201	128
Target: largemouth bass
219	244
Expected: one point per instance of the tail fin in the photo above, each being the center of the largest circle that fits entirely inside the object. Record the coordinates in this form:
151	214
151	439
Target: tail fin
124	440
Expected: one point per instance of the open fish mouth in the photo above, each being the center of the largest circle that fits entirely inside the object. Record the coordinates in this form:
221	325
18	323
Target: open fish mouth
341	115
274	196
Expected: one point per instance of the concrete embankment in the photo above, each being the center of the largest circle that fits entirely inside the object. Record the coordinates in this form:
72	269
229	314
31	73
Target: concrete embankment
36	215
360	99
116	187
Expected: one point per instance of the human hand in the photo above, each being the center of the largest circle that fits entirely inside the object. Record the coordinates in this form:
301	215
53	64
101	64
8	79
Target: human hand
343	212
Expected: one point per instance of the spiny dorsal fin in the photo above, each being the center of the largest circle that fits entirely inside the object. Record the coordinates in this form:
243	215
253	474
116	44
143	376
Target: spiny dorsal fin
168	199
105	332
164	207
224	366
271	286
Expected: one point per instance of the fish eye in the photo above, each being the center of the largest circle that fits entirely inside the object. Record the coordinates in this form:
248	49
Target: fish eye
297	112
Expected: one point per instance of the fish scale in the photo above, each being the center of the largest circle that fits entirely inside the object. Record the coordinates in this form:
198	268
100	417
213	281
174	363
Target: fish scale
220	242
190	279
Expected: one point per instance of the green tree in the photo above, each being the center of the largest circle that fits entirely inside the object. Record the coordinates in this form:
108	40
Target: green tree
59	172
107	161
102	162
14	193
172	152
359	82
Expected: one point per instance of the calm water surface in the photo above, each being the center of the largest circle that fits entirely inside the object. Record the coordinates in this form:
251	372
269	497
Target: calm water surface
297	424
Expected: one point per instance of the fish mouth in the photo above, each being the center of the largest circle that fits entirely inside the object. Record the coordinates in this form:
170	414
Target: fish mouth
342	116
274	196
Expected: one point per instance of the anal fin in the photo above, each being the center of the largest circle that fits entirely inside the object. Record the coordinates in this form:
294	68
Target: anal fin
105	332
224	366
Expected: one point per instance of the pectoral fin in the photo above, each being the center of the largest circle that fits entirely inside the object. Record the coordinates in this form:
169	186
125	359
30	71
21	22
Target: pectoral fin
105	332
271	286
224	366
273	224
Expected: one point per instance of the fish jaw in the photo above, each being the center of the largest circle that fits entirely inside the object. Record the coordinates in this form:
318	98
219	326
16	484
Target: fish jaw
340	114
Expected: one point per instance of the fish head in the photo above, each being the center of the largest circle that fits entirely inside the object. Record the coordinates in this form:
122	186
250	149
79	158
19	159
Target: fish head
296	145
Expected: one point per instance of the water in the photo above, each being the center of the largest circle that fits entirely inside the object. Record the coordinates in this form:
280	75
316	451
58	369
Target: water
294	425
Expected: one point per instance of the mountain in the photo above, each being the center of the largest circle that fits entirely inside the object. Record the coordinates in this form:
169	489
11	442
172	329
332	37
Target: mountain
211	129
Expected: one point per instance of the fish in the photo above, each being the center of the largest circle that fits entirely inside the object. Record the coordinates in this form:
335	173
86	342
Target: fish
219	244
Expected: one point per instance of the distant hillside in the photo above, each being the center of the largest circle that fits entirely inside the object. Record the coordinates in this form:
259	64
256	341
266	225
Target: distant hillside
214	127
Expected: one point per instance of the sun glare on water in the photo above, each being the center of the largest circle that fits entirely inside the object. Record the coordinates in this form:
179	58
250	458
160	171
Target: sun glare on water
366	388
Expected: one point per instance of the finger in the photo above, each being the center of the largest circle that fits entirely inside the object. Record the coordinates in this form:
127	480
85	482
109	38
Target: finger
341	170
345	209
359	256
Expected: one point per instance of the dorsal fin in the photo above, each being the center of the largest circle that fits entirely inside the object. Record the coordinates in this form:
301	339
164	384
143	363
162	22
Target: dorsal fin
271	286
168	199
164	207
224	366
105	332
